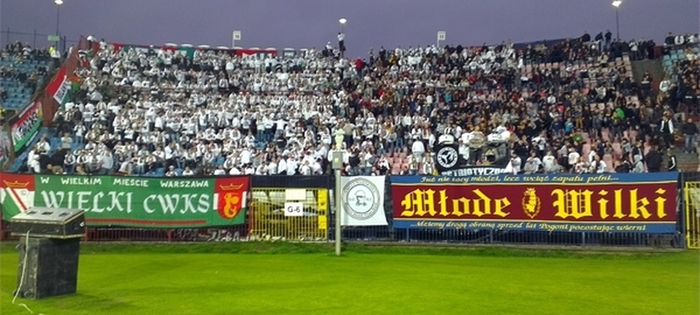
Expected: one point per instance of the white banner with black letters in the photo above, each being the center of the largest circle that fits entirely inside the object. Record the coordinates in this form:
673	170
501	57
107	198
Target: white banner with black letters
363	201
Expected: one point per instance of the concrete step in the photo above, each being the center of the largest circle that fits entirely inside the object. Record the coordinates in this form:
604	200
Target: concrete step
687	162
654	67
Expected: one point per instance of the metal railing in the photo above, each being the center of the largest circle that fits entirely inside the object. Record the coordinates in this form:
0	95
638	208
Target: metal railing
266	221
34	39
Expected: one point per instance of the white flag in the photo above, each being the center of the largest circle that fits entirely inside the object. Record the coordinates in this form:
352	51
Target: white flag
509	169
363	201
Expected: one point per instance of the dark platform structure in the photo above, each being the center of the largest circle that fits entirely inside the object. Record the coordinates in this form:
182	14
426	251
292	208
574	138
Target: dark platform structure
48	251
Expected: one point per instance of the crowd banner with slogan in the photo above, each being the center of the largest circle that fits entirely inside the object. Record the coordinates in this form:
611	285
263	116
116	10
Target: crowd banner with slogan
132	201
184	51
476	171
289	52
257	53
26	127
59	88
363	201
554	203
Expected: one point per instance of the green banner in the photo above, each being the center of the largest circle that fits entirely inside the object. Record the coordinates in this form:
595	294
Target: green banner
132	201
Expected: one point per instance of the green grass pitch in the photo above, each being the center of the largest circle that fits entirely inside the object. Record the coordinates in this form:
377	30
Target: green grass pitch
262	278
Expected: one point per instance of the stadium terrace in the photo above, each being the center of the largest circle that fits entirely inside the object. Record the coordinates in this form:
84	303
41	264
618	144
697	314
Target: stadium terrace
568	106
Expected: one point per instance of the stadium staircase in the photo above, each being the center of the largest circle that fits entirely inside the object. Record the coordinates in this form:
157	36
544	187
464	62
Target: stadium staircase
687	162
654	67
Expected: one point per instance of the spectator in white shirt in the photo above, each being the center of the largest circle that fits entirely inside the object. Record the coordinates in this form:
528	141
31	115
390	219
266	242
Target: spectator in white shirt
219	171
516	163
171	172
187	172
107	163
549	162
417	150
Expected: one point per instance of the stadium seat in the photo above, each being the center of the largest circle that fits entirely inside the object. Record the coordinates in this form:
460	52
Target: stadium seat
608	162
586	149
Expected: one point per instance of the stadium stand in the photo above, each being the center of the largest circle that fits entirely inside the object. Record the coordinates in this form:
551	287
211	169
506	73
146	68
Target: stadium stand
564	106
683	71
22	69
680	89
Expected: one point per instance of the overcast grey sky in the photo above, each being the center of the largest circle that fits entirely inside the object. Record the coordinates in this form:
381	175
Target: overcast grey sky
371	23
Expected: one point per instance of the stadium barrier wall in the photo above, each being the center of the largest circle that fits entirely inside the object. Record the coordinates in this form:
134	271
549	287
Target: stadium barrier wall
564	210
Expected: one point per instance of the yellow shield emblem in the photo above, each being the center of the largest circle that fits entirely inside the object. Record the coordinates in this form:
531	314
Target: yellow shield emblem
531	203
232	205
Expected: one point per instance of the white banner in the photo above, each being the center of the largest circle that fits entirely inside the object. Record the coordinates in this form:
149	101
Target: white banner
293	209
363	201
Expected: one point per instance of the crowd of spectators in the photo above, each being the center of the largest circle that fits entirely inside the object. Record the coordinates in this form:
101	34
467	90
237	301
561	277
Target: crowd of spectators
683	72
570	106
636	49
680	89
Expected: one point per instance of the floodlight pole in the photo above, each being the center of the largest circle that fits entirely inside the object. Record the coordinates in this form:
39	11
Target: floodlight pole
58	20
58	3
617	4
342	22
617	22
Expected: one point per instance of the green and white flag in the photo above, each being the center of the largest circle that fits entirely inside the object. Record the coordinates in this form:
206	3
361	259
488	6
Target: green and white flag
16	193
59	87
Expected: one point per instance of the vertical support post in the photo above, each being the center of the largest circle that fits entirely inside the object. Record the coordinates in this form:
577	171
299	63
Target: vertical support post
685	215
2	233
337	165
338	208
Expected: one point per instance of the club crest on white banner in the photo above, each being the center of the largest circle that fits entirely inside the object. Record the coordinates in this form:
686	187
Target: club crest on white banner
363	202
